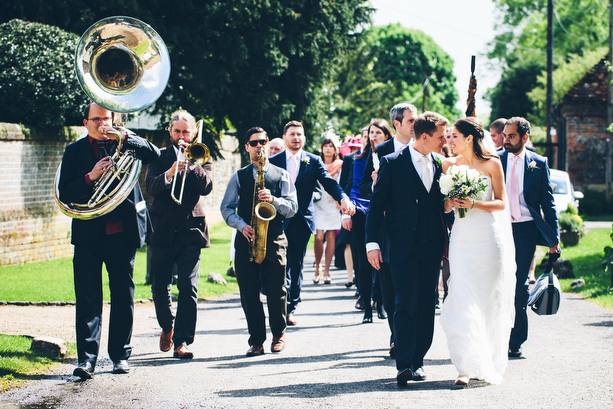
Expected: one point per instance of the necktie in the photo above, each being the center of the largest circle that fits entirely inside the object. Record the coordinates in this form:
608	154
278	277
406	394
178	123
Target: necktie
514	191
293	167
103	149
427	172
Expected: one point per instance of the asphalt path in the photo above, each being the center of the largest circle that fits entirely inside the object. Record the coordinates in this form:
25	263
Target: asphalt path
332	360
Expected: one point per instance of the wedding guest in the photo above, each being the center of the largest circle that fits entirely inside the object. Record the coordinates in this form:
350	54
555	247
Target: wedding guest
276	146
327	213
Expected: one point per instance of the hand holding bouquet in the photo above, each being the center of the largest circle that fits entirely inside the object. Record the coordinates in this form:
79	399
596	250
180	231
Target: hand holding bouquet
461	182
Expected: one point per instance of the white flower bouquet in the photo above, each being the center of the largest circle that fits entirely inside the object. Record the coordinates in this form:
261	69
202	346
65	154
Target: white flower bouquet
460	182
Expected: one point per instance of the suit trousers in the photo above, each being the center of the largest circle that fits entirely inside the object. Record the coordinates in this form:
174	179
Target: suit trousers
414	282
298	235
269	276
118	256
163	260
525	235
358	223
389	295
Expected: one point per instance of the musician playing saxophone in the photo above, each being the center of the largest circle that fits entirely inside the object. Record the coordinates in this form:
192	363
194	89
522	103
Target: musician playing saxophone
237	210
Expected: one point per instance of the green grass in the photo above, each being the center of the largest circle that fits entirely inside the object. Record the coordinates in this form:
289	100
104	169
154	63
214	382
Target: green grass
585	258
53	280
18	364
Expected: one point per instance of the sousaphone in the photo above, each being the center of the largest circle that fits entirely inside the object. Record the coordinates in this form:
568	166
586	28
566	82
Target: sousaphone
123	65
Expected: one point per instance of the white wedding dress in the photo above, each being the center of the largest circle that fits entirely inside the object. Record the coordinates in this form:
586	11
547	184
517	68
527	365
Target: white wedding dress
479	311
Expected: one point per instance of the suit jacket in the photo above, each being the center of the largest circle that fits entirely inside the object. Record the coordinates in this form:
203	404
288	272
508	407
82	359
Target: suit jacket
346	180
538	195
188	219
79	159
394	202
383	149
312	170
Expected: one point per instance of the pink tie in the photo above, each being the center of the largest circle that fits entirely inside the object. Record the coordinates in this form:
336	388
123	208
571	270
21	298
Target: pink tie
293	169
514	191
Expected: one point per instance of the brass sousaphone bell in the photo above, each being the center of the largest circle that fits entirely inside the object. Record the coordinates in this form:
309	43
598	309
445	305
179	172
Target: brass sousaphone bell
123	65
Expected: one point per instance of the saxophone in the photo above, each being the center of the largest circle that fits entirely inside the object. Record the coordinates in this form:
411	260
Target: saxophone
261	214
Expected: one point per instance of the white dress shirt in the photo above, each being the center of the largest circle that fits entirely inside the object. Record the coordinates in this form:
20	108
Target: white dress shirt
521	169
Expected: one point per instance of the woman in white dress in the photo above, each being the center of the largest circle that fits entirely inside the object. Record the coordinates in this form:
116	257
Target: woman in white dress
478	313
327	213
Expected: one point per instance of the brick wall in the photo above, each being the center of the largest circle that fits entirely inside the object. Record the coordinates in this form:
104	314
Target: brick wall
32	228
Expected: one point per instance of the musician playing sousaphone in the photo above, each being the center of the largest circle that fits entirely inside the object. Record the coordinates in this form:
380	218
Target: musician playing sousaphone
179	230
260	261
111	238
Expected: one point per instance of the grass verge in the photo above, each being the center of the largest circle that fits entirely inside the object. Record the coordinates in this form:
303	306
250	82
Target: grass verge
18	364
53	280
585	258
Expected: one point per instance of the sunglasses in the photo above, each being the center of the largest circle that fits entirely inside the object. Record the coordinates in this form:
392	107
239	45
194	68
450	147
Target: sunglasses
262	142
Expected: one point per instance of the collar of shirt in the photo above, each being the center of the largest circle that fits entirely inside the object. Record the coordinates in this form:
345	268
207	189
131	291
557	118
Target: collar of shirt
398	146
254	167
522	157
290	156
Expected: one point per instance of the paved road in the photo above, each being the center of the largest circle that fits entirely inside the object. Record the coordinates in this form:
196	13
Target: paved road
334	361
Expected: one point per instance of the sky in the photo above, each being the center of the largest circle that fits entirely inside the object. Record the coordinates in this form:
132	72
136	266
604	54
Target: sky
460	28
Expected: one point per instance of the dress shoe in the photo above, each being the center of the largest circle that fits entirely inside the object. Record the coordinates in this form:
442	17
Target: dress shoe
419	374
255	350
514	351
121	366
462	380
381	314
348	284
367	320
359	304
291	320
183	353
278	344
316	279
403	376
84	371
327	280
166	341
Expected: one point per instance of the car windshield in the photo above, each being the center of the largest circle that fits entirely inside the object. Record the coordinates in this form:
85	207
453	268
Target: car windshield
559	185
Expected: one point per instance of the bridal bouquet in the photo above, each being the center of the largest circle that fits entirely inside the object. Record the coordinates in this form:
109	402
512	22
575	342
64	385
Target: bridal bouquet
460	182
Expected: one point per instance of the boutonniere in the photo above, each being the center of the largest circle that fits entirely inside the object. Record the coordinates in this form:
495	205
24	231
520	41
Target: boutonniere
532	166
306	160
438	160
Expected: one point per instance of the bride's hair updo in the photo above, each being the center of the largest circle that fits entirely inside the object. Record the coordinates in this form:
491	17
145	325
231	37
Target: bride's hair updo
472	126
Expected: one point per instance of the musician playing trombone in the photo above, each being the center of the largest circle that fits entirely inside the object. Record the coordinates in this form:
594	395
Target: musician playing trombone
111	239
237	209
179	233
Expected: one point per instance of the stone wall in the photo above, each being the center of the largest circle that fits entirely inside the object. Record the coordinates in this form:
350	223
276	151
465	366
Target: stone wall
32	228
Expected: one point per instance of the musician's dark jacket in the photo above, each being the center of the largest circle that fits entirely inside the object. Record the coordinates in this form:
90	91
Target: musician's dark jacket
188	219
78	160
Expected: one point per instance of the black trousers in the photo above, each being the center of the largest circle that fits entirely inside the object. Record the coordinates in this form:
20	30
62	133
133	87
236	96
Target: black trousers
270	276
163	260
358	224
118	256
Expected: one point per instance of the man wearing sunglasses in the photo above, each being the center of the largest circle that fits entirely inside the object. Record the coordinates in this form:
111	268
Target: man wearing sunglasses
236	209
306	170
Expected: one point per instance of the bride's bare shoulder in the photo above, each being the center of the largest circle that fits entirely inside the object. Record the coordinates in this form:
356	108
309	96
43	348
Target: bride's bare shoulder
450	161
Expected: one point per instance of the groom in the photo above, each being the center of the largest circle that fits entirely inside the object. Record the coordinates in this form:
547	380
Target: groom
408	200
530	198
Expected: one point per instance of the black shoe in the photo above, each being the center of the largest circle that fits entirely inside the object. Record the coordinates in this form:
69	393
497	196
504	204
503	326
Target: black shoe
359	304
381	314
514	351
84	371
367	320
404	376
419	374
121	366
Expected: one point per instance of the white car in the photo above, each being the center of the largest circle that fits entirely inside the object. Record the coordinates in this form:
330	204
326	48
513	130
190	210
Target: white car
563	191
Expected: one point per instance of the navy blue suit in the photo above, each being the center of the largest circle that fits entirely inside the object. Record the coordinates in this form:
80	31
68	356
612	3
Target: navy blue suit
415	238
93	247
299	228
543	231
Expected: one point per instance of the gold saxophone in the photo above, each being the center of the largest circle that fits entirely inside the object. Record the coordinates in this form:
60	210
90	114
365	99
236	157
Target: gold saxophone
262	213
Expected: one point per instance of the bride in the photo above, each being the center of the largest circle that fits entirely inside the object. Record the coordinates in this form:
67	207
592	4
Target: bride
478	313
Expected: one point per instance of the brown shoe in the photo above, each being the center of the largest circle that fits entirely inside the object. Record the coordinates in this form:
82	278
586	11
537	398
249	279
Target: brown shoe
278	344
291	320
166	341
255	350
183	353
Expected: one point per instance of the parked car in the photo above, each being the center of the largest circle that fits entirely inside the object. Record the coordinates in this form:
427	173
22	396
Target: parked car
563	191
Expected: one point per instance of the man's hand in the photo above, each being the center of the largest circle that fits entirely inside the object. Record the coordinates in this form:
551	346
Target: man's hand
170	173
374	177
248	232
106	131
265	196
347	223
347	207
99	168
374	258
555	249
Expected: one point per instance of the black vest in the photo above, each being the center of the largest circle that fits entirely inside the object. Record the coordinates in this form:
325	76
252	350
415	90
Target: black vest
272	182
429	227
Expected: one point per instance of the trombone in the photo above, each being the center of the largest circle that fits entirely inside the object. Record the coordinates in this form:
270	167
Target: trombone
197	154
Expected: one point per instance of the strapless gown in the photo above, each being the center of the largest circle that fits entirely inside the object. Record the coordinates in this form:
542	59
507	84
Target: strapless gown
479	311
